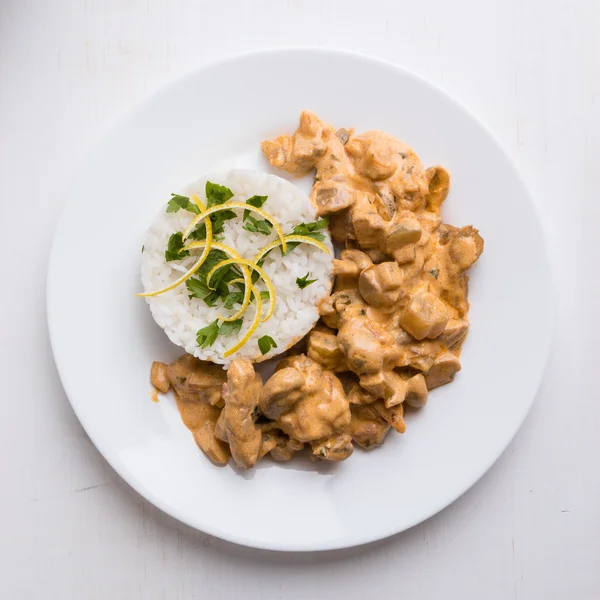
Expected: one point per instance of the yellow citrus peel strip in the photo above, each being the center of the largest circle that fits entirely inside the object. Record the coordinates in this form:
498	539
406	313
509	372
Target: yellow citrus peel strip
255	267
197	264
253	326
302	239
229	205
245	272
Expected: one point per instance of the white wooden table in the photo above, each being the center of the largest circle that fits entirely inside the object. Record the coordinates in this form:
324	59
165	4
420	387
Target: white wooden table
71	529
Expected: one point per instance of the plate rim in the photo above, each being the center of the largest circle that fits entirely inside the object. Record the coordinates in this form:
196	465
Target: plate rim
104	140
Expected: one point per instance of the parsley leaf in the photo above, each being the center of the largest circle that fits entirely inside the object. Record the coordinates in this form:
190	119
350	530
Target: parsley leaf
174	249
434	273
197	287
233	298
264	296
229	327
265	343
303	282
255	275
207	335
177	202
308	230
256	201
217	220
258	226
143	248
217	194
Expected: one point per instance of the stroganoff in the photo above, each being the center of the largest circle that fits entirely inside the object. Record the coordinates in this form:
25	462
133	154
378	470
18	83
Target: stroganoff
391	330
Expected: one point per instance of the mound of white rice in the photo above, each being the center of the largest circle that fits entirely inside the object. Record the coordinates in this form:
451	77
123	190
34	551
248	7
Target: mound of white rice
295	310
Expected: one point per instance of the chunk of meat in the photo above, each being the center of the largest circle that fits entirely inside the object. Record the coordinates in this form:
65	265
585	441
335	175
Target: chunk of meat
367	427
332	307
381	285
444	368
242	394
466	248
363	342
159	377
393	415
194	379
351	263
282	447
355	393
322	347
204	434
332	196
299	153
425	316
340	226
438	180
369	226
406	229
281	391
394	389
322	410
336	448
456	330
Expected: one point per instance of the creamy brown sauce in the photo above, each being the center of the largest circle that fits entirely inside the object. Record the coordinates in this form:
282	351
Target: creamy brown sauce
391	330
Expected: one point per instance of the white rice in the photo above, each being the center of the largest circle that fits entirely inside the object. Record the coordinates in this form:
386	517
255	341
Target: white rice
295	310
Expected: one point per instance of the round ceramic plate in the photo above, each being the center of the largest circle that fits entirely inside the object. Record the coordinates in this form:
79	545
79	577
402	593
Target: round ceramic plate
105	340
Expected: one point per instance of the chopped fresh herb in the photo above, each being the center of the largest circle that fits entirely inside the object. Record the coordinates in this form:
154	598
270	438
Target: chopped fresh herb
217	194
256	201
229	327
217	220
174	249
199	233
303	282
207	335
265	343
264	296
308	230
233	298
257	226
255	274
434	273
143	248
177	202
197	286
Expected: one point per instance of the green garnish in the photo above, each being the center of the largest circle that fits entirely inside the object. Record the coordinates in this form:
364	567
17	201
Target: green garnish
177	202
217	220
257	225
197	287
303	282
434	273
233	298
207	335
265	343
174	249
237	297
217	194
143	248
308	230
229	327
257	202
255	275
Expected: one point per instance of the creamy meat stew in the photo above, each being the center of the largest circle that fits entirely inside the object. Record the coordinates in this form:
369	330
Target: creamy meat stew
391	331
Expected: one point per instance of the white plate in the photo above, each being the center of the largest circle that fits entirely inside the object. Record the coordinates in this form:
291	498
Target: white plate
104	338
